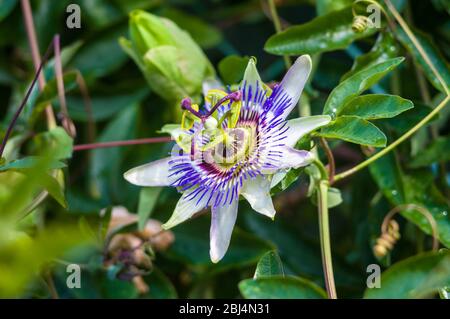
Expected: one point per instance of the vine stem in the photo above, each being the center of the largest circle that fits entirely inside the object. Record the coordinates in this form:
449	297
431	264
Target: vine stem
417	44
331	163
401	139
324	230
25	100
36	56
426	119
278	29
325	245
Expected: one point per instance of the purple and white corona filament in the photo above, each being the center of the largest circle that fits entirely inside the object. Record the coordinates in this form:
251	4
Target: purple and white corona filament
242	146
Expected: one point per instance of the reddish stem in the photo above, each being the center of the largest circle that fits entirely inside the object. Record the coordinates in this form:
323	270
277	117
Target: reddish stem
151	140
331	165
25	100
32	39
67	122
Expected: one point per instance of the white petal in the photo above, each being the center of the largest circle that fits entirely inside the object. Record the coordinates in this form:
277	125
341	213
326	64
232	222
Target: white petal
152	174
295	79
293	158
302	126
251	75
257	192
223	219
277	177
186	208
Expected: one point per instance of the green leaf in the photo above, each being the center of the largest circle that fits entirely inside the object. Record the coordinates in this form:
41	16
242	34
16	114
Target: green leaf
437	151
30	162
298	254
160	286
204	34
101	55
165	75
55	142
173	64
192	247
291	176
269	265
27	256
327	6
355	130
277	287
416	277
433	53
406	120
357	84
385	48
148	198
105	219
105	163
106	105
19	186
376	106
99	13
54	188
113	288
232	68
6	6
329	32
414	188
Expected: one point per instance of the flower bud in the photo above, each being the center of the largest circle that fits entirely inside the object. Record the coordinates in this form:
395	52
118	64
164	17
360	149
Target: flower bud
173	64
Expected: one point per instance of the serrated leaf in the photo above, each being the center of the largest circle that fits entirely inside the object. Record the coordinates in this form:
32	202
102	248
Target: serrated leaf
355	130
357	84
376	106
279	287
329	32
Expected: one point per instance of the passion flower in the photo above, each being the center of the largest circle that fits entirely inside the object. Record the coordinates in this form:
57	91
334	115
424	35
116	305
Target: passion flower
240	145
